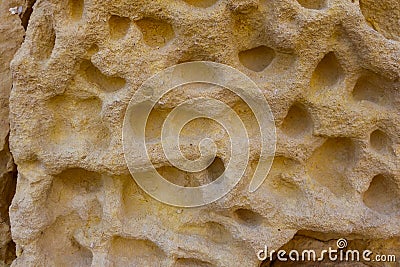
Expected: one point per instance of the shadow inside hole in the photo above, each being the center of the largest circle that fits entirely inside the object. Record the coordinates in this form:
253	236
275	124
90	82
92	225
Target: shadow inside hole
258	58
381	142
248	217
195	179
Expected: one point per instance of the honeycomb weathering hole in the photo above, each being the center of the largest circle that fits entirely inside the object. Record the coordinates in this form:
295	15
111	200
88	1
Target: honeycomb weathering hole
216	169
297	122
201	3
76	9
380	142
374	89
248	217
188	179
135	252
312	4
95	76
383	195
94	49
156	33
327	73
75	181
119	26
330	162
258	58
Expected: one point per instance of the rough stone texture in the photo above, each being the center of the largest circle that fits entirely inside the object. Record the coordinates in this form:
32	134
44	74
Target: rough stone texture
7	190
332	82
11	37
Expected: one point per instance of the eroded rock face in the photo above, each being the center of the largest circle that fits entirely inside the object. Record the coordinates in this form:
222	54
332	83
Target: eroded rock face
11	37
333	85
8	183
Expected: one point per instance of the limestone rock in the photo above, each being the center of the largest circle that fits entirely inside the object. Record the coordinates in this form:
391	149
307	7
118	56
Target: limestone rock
332	82
11	37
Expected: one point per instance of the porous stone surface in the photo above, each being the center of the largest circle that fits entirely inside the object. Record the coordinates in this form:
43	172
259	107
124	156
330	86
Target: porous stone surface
329	70
11	37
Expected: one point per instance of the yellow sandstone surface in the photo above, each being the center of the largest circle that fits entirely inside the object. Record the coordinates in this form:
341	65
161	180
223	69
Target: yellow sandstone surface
329	69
